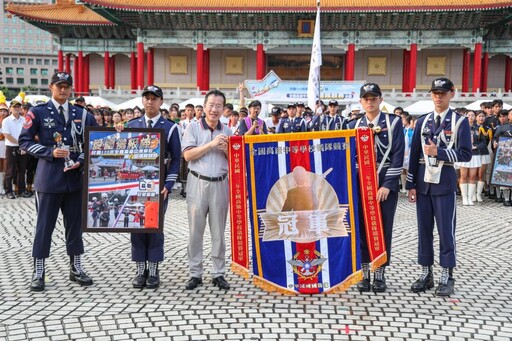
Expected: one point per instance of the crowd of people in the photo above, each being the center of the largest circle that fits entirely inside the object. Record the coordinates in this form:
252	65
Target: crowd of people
410	151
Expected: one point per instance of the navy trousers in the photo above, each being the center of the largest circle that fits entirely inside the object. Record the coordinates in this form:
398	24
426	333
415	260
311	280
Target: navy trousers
442	209
48	206
148	246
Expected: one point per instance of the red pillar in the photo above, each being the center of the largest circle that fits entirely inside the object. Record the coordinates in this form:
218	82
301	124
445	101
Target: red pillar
85	87
405	71
106	62
151	66
477	63
508	74
466	59
75	74
80	75
140	65
200	66
350	62
260	62
60	59
206	78
412	66
68	63
485	69
112	72
133	71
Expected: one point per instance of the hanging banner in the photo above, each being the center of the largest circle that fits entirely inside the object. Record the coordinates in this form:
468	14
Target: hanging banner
275	90
303	210
371	208
238	208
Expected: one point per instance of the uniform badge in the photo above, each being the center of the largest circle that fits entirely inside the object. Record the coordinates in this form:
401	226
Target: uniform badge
28	121
49	122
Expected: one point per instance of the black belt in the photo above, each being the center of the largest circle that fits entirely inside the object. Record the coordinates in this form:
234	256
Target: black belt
446	163
207	178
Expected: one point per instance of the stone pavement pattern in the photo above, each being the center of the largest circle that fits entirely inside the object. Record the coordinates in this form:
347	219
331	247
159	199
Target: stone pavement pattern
112	310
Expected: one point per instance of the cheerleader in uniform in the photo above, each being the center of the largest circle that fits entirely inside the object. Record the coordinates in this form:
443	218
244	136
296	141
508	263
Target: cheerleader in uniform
482	141
469	170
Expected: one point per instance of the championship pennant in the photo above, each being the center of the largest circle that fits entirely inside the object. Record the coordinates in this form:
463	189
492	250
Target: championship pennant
303	208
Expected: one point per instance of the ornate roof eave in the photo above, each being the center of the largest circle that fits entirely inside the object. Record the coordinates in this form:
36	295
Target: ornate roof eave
219	6
62	13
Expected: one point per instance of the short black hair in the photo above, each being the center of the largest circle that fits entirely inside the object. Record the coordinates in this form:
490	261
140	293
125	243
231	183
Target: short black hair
215	93
229	106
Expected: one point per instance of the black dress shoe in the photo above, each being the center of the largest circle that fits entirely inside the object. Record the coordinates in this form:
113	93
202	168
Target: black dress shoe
153	282
80	277
379	285
26	194
507	203
10	195
445	289
37	283
193	283
140	280
422	285
221	283
364	285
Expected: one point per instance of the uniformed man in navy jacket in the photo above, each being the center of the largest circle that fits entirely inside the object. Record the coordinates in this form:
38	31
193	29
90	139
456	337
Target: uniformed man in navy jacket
440	139
58	181
389	147
148	248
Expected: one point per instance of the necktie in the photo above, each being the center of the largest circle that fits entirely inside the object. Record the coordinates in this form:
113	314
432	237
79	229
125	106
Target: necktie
61	113
150	124
438	121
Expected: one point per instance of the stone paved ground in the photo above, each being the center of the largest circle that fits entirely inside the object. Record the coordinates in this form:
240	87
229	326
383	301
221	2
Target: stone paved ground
112	310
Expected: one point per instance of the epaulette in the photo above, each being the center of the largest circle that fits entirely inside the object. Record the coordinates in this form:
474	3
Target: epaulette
425	114
135	118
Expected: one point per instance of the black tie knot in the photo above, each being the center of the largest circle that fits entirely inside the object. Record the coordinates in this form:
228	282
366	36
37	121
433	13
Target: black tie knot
438	121
150	124
61	113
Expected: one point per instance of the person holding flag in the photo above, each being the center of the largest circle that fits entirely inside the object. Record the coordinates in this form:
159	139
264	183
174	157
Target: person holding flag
389	148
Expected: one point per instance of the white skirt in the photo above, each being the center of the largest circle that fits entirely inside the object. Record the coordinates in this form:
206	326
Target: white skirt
475	162
486	159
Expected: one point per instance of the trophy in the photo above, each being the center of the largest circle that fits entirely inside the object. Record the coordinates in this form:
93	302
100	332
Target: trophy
432	161
68	163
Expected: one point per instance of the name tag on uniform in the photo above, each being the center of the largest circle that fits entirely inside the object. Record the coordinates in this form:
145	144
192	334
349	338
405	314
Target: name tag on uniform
433	173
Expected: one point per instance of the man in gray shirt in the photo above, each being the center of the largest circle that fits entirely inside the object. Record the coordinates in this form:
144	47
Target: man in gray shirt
205	147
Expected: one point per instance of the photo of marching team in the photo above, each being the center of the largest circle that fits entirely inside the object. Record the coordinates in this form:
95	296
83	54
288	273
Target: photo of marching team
123	181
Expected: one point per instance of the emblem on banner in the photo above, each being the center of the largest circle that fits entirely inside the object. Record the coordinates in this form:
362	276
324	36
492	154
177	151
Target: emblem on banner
307	264
237	146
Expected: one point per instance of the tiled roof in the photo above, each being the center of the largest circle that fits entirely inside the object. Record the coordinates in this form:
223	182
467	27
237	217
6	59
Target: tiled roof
63	12
299	5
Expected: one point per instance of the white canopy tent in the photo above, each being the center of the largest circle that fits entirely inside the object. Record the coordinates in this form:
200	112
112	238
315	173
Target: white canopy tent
137	102
33	99
420	107
476	105
194	101
387	107
97	101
